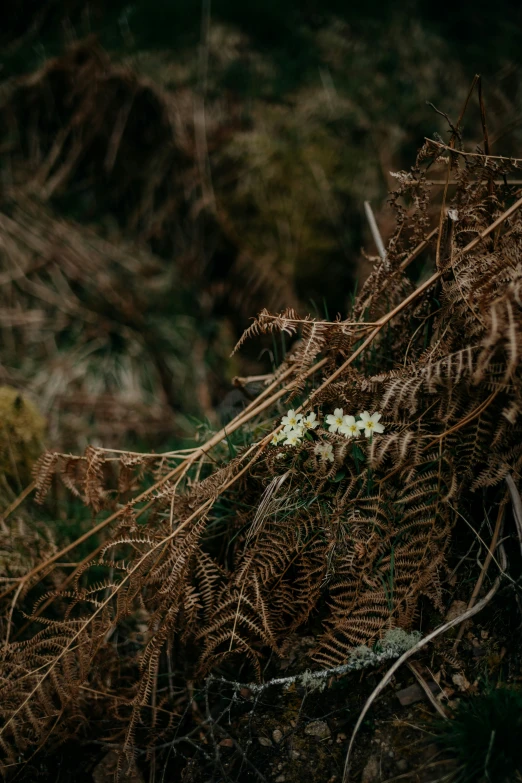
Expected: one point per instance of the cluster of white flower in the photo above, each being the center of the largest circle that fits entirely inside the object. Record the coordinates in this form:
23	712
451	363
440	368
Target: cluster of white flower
295	426
350	427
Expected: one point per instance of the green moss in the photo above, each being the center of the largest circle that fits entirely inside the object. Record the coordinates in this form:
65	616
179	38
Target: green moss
22	430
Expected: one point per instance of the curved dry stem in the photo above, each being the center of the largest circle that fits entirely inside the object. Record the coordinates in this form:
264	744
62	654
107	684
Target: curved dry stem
412	651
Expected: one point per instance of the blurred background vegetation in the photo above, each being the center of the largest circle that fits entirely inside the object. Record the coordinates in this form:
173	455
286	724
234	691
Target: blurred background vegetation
170	168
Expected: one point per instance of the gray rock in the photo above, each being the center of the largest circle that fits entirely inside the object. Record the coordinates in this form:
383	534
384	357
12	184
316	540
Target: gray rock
414	693
371	772
318	728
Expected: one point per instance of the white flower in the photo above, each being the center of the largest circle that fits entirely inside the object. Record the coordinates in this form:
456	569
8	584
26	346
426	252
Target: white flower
335	421
370	423
325	451
291	420
310	421
277	437
293	437
349	427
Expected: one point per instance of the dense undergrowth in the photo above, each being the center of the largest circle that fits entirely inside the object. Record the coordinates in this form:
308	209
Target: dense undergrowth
218	558
154	198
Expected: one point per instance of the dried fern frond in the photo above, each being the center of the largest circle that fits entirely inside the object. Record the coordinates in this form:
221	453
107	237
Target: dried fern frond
226	554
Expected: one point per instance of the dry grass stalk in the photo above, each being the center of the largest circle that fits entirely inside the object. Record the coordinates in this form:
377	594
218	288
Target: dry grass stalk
484	570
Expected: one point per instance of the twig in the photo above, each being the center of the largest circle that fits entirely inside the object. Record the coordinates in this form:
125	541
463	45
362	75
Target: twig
374	228
517	506
398	663
482	542
487	147
440	182
487	561
427	690
463	422
441	145
454	130
418	250
20	499
468	98
239	381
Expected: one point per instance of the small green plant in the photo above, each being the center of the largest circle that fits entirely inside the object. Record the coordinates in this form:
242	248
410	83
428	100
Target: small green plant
485	735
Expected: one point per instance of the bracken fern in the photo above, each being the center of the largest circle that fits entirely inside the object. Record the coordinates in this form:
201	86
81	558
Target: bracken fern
220	558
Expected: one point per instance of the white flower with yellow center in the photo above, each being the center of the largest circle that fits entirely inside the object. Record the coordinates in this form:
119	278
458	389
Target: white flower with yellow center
336	420
277	437
310	422
349	427
291	420
370	424
293	437
324	451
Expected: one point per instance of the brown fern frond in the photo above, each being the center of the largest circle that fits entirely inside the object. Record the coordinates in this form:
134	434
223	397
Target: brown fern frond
93	485
223	558
266	323
43	473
